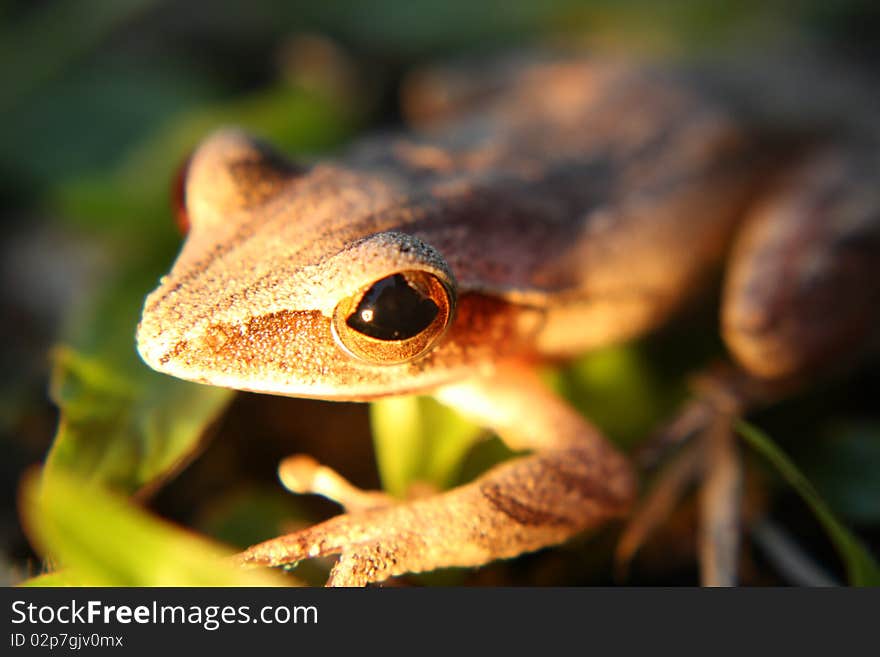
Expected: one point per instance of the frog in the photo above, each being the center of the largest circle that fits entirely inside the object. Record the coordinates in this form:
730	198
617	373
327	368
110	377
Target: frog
537	208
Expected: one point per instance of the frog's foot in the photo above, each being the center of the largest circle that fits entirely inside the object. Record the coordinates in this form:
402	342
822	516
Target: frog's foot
517	507
713	459
710	457
667	490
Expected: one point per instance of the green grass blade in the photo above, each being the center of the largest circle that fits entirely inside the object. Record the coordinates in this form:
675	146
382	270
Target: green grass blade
862	569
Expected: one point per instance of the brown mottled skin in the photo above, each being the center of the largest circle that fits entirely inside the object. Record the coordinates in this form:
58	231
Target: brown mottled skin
568	203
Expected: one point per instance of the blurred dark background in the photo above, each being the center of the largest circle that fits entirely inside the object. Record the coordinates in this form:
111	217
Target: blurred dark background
101	100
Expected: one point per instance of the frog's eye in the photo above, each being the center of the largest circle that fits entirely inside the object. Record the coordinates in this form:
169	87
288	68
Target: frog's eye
394	320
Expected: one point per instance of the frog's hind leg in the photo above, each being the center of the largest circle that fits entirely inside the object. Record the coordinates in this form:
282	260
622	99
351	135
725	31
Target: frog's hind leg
801	300
802	294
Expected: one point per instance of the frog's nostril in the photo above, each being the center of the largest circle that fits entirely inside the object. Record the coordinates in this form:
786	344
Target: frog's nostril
173	352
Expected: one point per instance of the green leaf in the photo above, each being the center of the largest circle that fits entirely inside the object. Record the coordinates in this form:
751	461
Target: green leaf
121	423
125	431
861	567
418	440
100	539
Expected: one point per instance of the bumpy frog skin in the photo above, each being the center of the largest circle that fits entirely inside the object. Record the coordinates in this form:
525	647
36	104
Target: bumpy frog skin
551	206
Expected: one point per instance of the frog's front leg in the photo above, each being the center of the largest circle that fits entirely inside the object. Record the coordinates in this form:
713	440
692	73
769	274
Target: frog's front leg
573	480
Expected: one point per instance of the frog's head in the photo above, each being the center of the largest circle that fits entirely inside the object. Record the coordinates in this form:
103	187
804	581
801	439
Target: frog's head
300	282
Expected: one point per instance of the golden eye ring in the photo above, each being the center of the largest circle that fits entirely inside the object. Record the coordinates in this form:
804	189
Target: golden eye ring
394	320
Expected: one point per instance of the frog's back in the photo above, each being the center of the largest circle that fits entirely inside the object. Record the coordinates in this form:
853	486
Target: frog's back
597	189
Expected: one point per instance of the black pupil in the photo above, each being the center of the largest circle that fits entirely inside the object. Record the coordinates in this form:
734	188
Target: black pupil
393	310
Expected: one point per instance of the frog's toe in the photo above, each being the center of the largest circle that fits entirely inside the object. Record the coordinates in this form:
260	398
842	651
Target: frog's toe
721	390
302	474
372	546
667	490
713	458
325	539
